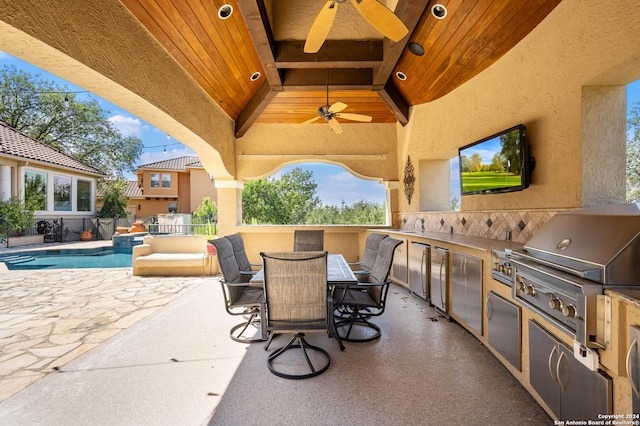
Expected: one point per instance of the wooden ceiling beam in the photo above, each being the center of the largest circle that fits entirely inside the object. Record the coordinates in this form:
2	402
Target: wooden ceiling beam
336	79
254	108
395	102
255	16
334	54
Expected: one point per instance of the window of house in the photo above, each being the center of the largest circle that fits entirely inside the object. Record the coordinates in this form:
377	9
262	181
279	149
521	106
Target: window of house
154	180
173	207
35	189
83	203
62	193
166	181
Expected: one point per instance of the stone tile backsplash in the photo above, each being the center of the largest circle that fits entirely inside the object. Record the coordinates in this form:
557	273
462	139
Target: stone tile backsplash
521	225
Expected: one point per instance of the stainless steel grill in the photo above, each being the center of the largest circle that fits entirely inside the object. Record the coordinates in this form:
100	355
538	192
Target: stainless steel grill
565	266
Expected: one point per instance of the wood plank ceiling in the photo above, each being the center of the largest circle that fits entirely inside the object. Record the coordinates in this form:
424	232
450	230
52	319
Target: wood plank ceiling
358	64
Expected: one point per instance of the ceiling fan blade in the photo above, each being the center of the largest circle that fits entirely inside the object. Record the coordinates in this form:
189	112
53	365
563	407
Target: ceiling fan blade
355	117
337	107
335	126
321	27
381	18
310	120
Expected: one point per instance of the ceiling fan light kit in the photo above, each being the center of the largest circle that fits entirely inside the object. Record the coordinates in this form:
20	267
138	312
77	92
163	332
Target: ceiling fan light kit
376	14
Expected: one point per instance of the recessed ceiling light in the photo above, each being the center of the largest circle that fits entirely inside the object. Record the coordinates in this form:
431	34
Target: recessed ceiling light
225	11
439	11
416	48
401	76
255	76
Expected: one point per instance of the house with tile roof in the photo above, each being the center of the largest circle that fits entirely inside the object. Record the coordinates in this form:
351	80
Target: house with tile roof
176	185
65	186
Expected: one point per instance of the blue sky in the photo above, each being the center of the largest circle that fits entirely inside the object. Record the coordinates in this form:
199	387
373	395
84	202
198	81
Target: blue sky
335	184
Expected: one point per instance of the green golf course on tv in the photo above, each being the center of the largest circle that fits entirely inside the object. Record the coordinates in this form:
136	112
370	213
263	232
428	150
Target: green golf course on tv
495	164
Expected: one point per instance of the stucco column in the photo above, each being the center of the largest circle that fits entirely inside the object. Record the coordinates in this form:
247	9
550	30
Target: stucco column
5	182
229	205
604	143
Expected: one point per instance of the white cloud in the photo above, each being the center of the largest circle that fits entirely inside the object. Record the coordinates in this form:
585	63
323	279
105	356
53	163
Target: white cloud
337	187
128	126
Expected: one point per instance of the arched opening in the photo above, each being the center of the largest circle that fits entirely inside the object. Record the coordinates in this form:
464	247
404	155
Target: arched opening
314	193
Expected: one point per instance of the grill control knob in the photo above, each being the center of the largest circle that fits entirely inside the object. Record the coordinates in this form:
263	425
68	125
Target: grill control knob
569	311
555	303
530	290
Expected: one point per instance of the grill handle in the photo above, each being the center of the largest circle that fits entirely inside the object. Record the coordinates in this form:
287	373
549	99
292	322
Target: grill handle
589	274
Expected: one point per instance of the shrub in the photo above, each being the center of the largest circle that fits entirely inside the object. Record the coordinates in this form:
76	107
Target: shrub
16	217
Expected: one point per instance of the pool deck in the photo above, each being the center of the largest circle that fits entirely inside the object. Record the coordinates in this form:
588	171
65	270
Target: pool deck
50	317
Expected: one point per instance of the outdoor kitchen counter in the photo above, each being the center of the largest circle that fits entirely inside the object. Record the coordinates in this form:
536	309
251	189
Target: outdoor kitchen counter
627	295
478	243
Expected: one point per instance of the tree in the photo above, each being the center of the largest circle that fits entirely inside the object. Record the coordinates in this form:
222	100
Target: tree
115	202
284	201
52	114
633	156
510	143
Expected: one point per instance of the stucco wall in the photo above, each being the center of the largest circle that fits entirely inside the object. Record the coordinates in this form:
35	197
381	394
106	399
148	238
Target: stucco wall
540	84
367	150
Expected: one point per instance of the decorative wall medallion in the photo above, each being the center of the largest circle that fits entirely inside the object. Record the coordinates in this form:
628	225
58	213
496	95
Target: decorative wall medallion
409	179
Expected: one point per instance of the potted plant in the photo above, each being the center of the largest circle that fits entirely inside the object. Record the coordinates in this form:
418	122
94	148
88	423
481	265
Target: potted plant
18	217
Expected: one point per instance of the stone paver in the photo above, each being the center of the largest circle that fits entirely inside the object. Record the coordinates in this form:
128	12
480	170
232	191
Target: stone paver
50	317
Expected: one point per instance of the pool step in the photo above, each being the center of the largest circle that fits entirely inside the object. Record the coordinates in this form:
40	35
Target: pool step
16	260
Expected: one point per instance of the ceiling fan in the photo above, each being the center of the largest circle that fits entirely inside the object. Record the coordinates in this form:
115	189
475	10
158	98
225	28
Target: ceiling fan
331	112
376	14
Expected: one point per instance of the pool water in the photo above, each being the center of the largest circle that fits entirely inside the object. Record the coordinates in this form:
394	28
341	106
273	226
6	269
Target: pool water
68	259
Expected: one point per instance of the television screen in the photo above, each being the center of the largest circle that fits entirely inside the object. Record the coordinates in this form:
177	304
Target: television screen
499	163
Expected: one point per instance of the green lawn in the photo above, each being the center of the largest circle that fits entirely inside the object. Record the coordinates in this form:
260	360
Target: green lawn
479	181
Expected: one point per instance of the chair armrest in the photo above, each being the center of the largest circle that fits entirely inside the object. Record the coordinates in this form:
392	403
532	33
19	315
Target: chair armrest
248	272
141	250
239	284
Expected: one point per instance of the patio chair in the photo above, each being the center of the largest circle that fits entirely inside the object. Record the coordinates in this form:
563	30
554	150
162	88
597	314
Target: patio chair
368	256
308	240
240	297
360	305
298	302
246	267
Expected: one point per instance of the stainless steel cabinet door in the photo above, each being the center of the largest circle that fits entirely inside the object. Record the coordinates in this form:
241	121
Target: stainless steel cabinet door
399	270
458	285
543	358
439	270
585	394
633	366
473	289
466	289
503	328
571	390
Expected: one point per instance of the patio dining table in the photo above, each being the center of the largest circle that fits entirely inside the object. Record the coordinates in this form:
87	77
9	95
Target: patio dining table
339	275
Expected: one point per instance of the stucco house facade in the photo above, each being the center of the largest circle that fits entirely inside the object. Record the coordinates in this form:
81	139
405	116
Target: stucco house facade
67	186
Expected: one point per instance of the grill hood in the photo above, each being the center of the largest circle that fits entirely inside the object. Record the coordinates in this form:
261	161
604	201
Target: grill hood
599	243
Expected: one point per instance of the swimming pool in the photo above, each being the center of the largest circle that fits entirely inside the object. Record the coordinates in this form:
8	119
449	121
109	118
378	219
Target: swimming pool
103	257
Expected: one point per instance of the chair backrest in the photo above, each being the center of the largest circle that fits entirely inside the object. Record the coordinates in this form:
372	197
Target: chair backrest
371	250
308	240
382	267
295	286
239	251
227	260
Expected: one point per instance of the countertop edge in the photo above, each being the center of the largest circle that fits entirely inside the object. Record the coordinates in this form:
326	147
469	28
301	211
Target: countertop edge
478	243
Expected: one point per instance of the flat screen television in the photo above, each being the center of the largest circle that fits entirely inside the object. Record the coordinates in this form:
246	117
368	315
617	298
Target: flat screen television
496	164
